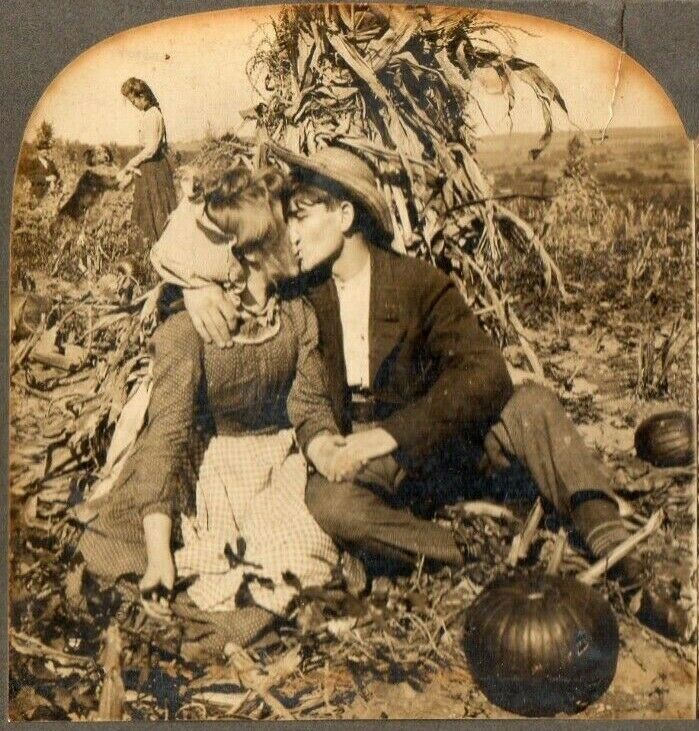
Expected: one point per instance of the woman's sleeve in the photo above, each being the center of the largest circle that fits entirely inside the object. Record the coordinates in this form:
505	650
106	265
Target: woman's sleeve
183	255
173	255
157	466
153	133
308	403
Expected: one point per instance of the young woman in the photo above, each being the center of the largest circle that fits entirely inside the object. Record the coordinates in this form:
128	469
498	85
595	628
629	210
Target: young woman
251	530
154	189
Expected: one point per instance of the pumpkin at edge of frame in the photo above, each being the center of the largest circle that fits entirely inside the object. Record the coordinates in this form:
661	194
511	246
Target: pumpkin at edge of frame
666	439
538	645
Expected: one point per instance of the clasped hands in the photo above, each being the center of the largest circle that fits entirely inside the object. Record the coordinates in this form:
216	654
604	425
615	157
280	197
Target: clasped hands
340	458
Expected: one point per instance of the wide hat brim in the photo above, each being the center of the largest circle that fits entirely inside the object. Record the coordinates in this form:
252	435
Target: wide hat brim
346	170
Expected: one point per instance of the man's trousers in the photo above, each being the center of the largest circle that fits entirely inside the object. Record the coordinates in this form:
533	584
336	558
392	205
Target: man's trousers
372	513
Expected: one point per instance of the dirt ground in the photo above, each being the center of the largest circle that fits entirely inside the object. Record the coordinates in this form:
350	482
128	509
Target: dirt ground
591	369
651	683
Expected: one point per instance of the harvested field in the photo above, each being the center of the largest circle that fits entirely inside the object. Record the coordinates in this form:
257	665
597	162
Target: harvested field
589	288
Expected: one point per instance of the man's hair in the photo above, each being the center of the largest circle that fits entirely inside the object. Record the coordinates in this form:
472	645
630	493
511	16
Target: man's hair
330	194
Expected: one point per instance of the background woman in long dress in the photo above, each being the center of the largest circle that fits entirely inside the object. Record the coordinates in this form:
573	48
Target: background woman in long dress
154	189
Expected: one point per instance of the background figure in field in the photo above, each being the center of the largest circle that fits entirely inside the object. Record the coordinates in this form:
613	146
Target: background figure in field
38	168
154	189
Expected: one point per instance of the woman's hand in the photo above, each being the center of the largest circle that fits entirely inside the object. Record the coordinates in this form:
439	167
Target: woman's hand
158	581
322	452
125	176
213	315
156	586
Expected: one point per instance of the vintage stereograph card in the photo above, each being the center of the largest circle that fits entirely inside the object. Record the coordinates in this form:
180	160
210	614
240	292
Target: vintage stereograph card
352	375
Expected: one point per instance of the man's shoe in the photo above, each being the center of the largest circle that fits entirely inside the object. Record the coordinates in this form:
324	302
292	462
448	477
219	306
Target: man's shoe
651	602
661	614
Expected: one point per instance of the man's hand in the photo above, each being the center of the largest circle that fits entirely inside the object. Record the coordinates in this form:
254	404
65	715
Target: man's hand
495	458
360	449
213	315
322	451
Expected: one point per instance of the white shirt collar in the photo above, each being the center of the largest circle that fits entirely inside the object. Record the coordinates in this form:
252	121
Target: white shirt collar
358	278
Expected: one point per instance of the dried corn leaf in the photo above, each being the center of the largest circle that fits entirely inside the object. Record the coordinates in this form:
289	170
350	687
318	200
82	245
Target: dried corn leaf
412	69
129	424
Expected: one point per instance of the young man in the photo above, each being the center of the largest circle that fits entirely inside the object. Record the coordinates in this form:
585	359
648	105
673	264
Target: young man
420	393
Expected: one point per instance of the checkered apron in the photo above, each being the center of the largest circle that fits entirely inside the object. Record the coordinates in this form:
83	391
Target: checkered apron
252	526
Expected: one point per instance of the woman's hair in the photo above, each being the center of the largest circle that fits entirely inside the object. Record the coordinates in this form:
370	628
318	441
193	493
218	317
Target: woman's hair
244	204
137	87
206	175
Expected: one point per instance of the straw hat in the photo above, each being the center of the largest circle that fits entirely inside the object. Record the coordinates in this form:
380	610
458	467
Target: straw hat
348	171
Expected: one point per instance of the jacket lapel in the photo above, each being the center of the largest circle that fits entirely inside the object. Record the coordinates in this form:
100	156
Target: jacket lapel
386	327
327	307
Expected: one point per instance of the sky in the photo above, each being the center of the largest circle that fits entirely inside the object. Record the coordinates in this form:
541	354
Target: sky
196	67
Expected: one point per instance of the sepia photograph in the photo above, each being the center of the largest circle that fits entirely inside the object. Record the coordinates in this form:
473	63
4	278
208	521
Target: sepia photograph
352	375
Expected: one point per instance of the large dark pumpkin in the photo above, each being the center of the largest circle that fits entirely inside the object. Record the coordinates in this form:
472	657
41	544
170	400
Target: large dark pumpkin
666	439
539	645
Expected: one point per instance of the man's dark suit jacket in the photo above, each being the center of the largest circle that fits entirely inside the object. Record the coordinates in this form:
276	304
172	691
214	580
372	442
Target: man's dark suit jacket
434	372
